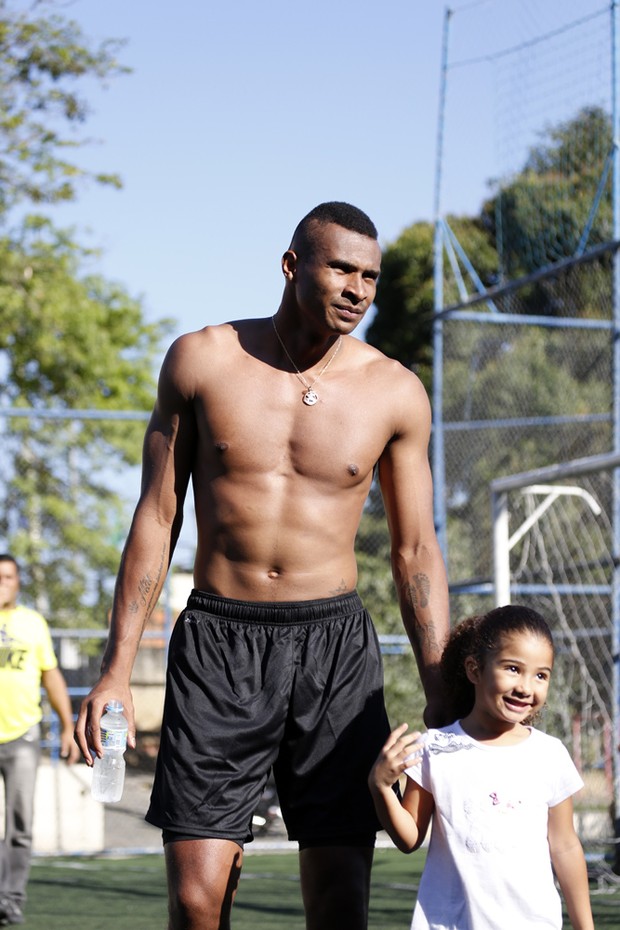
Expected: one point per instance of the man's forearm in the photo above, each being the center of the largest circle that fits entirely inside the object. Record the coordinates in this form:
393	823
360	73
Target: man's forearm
424	605
141	577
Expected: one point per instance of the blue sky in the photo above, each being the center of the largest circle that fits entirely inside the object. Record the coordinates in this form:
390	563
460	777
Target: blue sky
239	117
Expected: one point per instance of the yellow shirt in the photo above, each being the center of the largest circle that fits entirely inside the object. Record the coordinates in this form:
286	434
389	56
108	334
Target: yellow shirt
26	650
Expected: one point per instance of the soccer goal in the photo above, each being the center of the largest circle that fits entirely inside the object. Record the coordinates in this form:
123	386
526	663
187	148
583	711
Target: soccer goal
555	549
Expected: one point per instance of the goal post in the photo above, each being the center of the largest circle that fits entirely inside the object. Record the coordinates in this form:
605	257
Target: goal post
555	549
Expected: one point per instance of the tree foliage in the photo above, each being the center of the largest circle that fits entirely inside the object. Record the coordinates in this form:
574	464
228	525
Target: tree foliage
498	375
547	210
69	341
538	217
403	324
42	60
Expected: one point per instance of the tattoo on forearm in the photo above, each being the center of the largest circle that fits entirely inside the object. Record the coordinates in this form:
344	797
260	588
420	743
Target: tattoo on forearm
144	586
418	595
419	590
161	570
427	636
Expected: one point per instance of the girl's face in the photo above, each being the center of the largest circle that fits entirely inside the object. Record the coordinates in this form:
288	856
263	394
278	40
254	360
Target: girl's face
514	682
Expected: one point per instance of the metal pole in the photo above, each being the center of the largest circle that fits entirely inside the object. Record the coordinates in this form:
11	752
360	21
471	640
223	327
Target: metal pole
501	548
438	457
616	423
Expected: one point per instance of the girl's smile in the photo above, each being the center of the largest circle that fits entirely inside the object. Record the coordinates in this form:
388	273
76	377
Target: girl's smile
513	684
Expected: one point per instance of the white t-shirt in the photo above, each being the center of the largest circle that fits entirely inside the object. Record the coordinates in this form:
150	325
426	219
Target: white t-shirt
488	865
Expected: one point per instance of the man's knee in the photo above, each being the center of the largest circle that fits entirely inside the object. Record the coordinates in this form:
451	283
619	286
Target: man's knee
202	880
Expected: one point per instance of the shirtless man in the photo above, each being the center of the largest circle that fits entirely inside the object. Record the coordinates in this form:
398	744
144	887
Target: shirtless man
279	423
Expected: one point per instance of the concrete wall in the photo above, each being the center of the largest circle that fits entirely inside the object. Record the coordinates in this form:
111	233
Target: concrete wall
66	818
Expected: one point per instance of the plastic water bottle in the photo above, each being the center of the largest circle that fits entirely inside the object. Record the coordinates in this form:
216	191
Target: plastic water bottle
109	771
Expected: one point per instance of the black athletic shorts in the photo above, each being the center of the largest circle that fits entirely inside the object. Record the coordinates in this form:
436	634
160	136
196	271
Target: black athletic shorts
297	686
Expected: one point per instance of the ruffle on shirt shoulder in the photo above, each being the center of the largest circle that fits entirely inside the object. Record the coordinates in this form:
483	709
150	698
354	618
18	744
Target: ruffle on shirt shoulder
448	742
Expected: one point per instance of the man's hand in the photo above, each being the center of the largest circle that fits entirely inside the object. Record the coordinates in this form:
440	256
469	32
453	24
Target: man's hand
87	732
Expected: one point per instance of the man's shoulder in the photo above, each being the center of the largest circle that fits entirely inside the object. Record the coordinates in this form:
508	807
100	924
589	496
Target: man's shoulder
197	339
193	356
388	376
382	363
213	338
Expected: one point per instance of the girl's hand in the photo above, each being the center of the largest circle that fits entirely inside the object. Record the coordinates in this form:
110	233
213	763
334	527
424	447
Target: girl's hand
399	752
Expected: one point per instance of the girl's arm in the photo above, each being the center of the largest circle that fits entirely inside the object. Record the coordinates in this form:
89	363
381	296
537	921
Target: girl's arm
569	865
408	822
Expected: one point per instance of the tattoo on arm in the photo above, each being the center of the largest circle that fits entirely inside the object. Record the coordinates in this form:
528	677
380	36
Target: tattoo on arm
418	594
148	589
144	586
418	591
161	571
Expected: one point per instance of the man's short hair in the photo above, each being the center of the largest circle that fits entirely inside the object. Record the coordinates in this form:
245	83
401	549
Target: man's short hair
339	213
5	557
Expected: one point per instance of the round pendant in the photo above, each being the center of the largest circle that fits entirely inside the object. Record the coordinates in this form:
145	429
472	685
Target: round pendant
310	398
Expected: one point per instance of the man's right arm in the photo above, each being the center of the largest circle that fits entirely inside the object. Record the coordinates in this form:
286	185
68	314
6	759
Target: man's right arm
167	459
417	562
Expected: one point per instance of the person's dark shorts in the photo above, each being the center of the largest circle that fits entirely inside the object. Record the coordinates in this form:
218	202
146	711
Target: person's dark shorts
297	686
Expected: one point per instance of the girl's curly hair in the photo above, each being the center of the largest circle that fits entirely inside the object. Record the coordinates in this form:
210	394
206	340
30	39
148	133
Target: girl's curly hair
479	636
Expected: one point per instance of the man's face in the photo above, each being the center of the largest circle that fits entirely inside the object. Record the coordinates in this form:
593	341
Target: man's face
9	585
336	279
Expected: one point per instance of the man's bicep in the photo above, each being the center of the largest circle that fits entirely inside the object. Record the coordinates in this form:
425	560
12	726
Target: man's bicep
169	446
406	484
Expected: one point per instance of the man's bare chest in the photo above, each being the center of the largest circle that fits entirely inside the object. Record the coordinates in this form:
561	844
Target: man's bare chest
275	433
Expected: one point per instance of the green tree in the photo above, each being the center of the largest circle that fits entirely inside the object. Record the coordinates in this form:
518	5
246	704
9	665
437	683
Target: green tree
68	340
403	324
503	373
540	216
42	59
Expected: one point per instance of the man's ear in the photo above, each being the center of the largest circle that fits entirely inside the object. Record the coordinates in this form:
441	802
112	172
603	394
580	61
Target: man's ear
289	264
471	670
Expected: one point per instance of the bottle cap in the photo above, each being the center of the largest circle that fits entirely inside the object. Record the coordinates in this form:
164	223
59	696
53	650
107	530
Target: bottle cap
114	706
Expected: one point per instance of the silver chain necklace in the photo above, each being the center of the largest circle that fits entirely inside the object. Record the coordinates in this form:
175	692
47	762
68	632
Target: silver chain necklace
310	397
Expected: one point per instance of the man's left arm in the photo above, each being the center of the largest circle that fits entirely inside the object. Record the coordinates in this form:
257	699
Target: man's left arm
417	563
54	683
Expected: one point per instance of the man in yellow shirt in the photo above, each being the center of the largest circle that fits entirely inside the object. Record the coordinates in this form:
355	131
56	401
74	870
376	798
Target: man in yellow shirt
27	661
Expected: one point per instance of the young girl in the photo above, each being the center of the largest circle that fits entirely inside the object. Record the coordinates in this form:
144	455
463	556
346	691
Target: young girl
499	792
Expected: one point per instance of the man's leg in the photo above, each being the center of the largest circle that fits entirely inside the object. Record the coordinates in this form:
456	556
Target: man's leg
335	886
202	881
20	772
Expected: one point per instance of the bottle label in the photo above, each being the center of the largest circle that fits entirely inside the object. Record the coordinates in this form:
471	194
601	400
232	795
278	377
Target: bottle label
114	739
